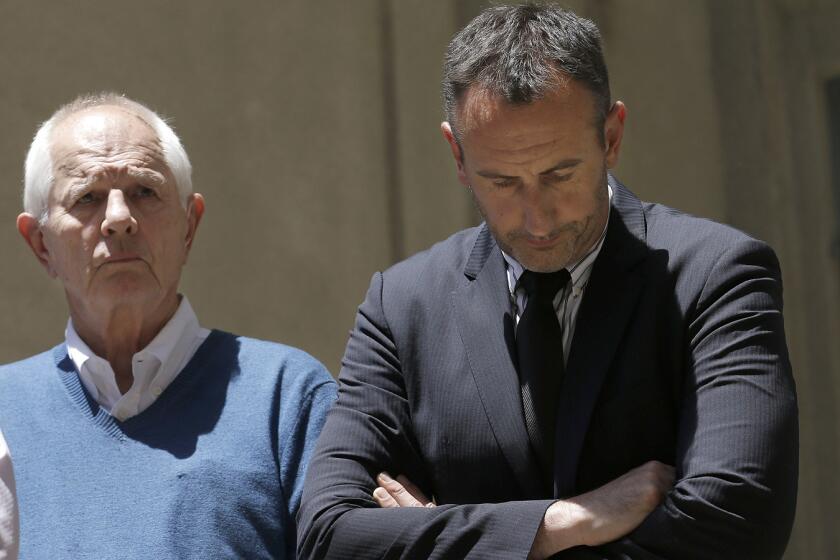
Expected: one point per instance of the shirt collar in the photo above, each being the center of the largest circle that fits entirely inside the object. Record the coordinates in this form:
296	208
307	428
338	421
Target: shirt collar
164	347
167	345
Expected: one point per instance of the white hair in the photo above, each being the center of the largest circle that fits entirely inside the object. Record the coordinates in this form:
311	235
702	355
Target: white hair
38	171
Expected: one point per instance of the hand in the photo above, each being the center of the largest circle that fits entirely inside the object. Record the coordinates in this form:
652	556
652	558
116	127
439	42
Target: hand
399	493
606	513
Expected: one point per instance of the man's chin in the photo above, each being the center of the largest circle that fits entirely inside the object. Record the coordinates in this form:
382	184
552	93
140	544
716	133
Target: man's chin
126	287
537	261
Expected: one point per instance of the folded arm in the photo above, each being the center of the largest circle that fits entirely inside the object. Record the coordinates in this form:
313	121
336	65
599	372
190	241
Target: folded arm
370	430
737	451
737	443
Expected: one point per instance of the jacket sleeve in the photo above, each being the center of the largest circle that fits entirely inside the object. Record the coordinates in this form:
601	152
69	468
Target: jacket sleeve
368	431
737	451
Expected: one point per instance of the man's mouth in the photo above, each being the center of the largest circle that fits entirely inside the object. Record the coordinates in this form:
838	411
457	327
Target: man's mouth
120	258
542	242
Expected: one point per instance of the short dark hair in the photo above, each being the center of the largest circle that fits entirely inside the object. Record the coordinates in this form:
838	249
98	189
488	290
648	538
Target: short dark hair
516	52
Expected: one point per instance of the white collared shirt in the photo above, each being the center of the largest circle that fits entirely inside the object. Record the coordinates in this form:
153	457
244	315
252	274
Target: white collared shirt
154	367
8	506
567	301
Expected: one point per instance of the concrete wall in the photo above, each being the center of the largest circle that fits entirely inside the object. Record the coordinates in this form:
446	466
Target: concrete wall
313	129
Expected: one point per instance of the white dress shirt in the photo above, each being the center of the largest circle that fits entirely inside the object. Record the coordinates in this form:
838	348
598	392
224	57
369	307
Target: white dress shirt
154	367
567	301
8	506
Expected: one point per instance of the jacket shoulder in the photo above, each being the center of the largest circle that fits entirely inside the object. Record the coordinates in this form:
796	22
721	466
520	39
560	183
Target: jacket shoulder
683	234
445	257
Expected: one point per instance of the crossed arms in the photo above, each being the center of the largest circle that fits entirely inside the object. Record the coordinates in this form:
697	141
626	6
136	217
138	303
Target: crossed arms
594	518
735	466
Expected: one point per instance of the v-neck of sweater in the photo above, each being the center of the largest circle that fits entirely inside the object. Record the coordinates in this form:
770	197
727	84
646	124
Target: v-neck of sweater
119	429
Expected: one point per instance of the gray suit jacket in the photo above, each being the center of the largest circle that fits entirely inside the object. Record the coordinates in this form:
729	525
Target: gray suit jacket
678	355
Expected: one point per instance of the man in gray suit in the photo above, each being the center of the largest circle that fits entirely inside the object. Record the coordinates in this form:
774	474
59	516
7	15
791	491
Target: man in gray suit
584	374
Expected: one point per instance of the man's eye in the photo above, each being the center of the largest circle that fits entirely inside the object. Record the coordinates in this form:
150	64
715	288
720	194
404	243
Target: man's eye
503	182
86	198
558	178
145	192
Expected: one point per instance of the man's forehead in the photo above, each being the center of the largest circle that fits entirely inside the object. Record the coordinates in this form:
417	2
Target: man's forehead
565	109
101	127
480	105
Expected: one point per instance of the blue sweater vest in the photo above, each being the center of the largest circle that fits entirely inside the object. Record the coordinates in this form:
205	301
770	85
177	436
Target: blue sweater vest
213	469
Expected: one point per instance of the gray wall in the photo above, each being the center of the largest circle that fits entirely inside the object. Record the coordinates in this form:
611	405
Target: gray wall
313	130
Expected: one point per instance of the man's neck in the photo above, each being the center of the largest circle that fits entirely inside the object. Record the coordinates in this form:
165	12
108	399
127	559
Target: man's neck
120	332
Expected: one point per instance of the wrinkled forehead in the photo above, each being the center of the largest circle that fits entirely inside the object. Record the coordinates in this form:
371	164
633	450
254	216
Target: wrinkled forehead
102	132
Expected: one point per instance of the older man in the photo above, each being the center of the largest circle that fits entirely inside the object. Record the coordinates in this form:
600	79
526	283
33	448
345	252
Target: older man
144	435
584	373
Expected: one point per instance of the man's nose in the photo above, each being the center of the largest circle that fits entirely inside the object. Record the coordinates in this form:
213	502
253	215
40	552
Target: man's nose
118	216
538	210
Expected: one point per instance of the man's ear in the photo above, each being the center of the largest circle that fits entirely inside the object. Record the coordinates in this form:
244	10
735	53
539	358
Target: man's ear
614	133
30	228
195	210
446	129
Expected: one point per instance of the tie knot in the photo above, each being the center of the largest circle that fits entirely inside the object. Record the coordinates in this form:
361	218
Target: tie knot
543	286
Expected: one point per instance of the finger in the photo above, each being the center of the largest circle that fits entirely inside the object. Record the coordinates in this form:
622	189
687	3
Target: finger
397	491
663	474
412	489
665	483
383	498
668	474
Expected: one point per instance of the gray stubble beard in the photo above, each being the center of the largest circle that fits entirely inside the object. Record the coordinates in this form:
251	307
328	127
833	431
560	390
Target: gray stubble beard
573	245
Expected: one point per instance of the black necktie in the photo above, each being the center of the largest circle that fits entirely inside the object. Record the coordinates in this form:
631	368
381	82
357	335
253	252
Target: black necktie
539	348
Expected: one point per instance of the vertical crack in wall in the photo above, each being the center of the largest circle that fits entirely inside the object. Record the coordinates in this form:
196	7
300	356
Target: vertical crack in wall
393	187
832	92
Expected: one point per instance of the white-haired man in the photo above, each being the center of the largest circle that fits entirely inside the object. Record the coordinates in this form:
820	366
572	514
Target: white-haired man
144	435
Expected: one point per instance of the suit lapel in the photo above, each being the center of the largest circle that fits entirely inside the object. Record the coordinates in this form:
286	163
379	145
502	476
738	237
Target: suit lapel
609	301
486	326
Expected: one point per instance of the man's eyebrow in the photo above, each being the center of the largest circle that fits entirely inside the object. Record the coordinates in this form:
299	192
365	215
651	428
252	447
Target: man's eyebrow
76	190
563	164
493	175
145	174
156	178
